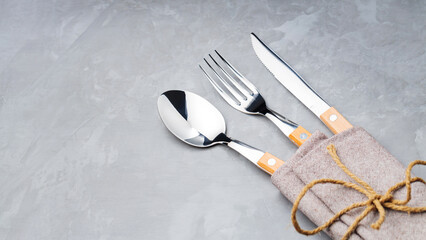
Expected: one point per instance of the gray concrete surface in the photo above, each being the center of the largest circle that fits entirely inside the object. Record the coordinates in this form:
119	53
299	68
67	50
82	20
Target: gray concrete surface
84	155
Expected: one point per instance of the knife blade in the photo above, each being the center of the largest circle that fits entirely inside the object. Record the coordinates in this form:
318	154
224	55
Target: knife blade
299	87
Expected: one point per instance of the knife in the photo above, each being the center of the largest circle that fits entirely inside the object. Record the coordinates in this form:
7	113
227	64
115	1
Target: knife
299	87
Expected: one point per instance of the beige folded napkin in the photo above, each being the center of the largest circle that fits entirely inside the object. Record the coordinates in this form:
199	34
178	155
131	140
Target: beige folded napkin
369	161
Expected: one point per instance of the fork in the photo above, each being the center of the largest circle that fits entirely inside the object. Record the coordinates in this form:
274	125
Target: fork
244	96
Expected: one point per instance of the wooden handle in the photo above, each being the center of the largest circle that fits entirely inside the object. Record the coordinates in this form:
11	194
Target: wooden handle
299	136
270	163
335	121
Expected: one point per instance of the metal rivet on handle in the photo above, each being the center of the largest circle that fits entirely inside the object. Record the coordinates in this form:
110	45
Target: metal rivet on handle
271	162
333	117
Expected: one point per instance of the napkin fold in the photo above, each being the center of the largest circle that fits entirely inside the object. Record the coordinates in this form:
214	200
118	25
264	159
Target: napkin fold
368	160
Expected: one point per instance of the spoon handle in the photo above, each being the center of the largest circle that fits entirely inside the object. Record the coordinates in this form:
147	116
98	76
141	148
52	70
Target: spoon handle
270	163
266	161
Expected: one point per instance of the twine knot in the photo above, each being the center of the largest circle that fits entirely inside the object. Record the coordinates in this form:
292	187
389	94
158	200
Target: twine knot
375	201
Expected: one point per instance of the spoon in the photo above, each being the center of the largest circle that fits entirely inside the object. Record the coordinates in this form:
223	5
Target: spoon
197	122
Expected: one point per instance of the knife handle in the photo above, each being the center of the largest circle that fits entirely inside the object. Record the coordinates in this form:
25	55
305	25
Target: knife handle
270	163
299	136
335	121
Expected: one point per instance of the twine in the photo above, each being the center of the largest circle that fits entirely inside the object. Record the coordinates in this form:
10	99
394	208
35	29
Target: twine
375	201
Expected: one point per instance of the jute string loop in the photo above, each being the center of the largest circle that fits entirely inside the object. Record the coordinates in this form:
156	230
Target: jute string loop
375	201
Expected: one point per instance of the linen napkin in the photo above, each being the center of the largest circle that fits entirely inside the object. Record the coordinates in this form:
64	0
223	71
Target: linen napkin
368	160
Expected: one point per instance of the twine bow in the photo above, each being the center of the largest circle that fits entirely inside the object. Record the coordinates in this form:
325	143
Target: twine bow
375	201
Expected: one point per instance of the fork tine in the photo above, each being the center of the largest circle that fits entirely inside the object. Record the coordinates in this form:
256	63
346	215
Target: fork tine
231	79
244	80
219	89
226	84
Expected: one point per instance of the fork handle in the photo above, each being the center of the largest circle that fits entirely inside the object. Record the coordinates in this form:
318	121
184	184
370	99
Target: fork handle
296	133
299	135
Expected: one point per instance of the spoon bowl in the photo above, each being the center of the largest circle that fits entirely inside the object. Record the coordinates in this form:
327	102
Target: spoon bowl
197	122
192	119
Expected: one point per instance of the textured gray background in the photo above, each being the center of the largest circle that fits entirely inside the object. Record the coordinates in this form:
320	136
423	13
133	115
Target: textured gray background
84	155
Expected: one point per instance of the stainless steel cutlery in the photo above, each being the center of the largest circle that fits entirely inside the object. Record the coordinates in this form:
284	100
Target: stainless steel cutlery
197	122
299	87
242	95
